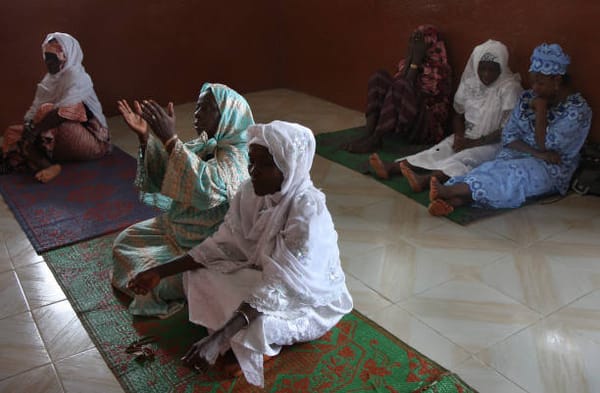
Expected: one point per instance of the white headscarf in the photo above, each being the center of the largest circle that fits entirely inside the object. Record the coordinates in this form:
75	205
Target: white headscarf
279	231
70	85
483	105
293	149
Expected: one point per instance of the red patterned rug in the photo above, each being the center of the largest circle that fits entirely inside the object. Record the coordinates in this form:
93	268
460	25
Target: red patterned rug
86	200
355	356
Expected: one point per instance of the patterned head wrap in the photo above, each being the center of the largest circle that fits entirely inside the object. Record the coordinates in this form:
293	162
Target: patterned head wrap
236	114
549	59
435	64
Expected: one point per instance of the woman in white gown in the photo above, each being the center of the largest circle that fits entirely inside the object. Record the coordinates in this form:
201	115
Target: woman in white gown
271	275
487	93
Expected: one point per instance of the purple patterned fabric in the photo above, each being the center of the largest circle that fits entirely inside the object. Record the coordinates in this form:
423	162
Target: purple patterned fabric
87	200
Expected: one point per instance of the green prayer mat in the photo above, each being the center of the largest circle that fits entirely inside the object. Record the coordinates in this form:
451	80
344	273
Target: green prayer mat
355	356
328	146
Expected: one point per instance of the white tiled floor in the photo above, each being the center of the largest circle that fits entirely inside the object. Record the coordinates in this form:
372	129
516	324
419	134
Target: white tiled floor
510	303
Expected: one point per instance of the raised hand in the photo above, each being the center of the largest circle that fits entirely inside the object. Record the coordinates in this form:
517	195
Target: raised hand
162	122
419	47
134	118
144	282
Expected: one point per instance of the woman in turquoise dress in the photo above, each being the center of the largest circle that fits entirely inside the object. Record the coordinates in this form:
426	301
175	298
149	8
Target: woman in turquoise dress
541	144
192	182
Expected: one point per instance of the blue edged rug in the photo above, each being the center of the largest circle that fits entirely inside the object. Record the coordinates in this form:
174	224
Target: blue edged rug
88	199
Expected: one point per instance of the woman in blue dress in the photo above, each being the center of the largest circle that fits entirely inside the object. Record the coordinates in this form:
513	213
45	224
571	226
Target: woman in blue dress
541	144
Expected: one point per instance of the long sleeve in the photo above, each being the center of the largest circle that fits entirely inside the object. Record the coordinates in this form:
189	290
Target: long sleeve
304	268
513	130
190	180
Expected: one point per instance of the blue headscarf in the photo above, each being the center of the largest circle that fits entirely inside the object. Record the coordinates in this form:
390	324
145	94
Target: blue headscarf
549	59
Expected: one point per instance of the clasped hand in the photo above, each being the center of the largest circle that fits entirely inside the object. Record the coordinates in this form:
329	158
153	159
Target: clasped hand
149	112
162	122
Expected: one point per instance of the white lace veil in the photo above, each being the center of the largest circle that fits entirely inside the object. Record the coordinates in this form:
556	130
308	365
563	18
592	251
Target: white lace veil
483	105
70	85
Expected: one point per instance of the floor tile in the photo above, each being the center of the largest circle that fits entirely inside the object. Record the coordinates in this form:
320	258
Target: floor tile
366	300
87	373
39	380
469	313
61	330
558	354
12	299
21	251
485	379
22	346
541	280
420	336
39	285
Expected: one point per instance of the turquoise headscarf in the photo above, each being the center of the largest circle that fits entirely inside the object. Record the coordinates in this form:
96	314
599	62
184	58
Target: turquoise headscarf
236	117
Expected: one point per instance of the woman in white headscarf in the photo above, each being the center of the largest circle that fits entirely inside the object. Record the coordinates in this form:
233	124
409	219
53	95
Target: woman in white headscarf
487	93
271	275
65	121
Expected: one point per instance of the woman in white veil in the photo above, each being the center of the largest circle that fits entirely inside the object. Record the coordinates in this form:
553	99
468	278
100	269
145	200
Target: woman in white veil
271	275
487	93
65	121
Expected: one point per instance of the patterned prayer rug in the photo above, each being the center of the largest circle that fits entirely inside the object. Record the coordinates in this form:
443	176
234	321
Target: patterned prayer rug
356	356
86	200
328	146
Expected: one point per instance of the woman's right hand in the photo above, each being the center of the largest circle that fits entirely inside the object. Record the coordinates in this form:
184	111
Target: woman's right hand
144	282
134	118
161	121
419	47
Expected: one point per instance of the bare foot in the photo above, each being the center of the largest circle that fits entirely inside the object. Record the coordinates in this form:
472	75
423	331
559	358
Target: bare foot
46	175
439	207
382	169
417	183
434	188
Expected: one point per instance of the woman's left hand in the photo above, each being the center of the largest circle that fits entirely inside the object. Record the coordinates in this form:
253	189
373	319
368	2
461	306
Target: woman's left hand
205	352
162	122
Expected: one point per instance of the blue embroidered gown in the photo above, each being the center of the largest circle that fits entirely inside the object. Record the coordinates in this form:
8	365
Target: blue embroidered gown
513	176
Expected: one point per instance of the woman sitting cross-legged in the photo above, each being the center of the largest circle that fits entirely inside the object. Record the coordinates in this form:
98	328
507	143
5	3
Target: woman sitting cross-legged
541	144
193	181
414	103
65	121
271	275
487	93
